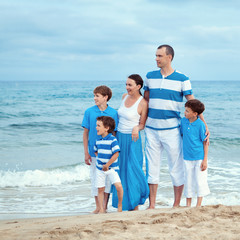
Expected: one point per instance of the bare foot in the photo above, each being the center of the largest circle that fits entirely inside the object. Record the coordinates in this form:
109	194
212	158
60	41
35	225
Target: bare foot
176	205
101	212
96	211
150	208
136	208
119	208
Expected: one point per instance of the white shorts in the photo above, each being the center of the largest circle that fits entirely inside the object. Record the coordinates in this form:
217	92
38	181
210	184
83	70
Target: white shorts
101	177
156	142
94	190
195	179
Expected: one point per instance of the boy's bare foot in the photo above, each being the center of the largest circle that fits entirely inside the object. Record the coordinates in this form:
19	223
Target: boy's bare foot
101	211
96	211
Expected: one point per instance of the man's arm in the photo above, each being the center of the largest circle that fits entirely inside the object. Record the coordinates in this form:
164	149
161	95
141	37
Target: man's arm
87	156
146	95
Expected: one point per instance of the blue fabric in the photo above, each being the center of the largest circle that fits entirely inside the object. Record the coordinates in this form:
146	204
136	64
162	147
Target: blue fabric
89	122
134	182
165	98
193	137
106	147
162	114
166	94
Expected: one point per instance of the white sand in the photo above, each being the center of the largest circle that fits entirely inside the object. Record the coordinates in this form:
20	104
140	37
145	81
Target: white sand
209	222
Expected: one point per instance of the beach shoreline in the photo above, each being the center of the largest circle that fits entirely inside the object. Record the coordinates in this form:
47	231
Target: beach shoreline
207	222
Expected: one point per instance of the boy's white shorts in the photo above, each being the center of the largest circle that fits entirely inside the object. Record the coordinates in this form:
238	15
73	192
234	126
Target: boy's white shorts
101	177
94	190
171	142
195	179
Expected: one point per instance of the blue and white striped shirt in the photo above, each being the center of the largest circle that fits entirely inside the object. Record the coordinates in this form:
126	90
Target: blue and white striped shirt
106	147
165	99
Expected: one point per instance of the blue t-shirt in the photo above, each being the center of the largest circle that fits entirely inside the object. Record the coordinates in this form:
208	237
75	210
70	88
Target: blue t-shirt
90	120
165	99
106	147
193	137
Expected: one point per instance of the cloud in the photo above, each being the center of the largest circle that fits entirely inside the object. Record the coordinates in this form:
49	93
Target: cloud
60	39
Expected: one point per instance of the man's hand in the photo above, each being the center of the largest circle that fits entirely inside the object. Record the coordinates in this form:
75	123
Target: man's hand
207	133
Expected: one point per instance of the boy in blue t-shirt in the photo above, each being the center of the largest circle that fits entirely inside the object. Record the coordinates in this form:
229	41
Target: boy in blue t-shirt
195	151
107	152
102	94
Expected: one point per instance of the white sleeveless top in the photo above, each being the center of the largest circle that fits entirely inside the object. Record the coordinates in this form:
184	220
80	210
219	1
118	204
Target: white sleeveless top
128	116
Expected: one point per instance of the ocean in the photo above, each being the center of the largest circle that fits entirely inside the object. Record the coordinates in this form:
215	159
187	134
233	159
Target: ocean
42	170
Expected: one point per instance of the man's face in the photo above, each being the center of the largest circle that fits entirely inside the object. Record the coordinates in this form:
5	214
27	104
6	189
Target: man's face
162	58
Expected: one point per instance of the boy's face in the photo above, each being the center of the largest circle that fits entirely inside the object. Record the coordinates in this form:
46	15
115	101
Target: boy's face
100	99
101	130
189	113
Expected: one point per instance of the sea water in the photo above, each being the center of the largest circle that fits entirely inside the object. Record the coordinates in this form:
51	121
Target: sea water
42	170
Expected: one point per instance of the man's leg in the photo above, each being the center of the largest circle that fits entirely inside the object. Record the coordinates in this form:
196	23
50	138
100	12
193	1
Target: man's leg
172	143
153	152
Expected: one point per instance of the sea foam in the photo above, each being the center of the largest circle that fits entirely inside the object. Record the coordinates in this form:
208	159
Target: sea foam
45	177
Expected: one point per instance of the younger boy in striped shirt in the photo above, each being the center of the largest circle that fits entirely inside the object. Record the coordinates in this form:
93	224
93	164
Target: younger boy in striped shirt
107	152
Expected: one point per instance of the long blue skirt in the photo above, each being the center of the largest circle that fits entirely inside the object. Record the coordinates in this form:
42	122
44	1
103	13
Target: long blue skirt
134	182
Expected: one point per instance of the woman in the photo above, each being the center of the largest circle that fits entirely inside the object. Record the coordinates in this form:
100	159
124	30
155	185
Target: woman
132	117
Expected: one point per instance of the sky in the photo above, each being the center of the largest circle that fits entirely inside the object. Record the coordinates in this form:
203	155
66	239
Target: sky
76	40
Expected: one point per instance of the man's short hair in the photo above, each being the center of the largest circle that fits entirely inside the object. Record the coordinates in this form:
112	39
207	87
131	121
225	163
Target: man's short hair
103	90
107	122
195	105
169	49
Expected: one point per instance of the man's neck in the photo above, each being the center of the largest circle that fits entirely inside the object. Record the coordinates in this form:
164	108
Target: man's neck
103	107
166	71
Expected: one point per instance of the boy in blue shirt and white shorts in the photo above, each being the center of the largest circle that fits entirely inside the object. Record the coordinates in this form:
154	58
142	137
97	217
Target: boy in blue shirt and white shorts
195	152
107	152
102	94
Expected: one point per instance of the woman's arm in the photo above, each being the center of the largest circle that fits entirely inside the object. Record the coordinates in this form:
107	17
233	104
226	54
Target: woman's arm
143	112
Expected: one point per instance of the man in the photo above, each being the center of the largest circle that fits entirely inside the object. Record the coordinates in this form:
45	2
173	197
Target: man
164	90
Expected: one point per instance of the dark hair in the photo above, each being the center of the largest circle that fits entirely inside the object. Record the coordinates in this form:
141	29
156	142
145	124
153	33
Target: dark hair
195	105
103	90
137	79
107	122
169	50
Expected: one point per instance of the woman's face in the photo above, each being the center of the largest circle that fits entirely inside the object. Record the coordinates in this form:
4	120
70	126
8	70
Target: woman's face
132	87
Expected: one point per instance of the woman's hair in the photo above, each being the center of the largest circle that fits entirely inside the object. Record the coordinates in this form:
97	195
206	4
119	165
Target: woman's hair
137	79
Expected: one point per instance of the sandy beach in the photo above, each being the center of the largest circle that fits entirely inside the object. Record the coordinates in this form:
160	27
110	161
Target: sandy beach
208	222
